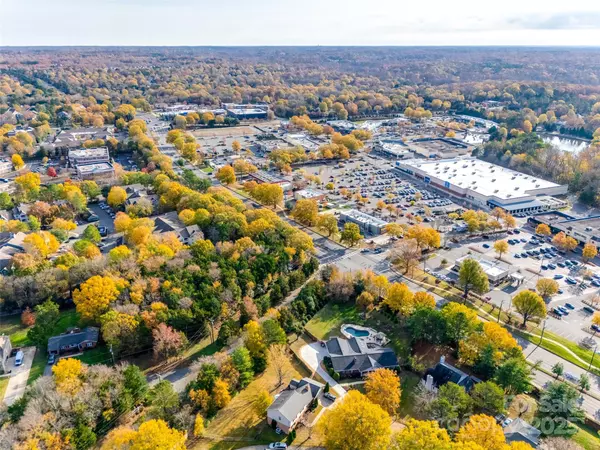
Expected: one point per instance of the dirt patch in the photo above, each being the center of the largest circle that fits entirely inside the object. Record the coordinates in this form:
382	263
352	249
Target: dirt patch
227	132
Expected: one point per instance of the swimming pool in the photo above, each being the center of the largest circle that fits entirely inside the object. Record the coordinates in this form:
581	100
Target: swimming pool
356	333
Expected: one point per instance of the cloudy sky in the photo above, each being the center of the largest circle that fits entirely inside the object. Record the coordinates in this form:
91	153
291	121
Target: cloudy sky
304	22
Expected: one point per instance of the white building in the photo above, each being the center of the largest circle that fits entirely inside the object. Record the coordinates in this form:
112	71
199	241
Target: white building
366	222
100	170
494	270
393	148
483	184
309	194
88	156
6	166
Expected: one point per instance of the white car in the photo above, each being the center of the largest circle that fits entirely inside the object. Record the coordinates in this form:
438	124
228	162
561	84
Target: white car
277	445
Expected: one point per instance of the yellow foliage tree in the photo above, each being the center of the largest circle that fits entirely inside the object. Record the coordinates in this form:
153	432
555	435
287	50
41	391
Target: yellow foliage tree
151	435
383	388
17	161
355	423
116	196
93	297
67	375
220	394
40	244
484	431
400	299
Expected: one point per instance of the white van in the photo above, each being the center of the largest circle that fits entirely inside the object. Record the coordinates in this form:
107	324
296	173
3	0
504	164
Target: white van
19	358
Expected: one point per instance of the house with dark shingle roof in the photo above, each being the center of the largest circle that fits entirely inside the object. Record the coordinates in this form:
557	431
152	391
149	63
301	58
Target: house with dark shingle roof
520	431
170	223
444	373
356	357
74	340
291	404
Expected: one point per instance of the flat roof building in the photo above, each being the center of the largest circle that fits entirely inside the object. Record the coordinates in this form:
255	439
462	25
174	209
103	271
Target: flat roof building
439	147
100	170
393	148
246	111
494	270
367	223
302	140
584	230
484	184
309	194
88	156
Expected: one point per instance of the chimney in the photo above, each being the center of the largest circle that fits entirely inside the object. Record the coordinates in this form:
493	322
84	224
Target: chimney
429	383
442	359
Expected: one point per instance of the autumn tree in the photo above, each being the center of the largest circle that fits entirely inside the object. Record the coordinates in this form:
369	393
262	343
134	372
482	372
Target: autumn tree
153	434
589	251
500	247
68	375
351	234
93	297
471	277
355	423
116	197
399	299
543	230
327	223
564	242
425	237
382	387
262	402
269	194
236	146
306	211
167	341
28	186
394	229
460	320
547	287
17	161
420	434
405	255
220	394
365	301
226	175
529	305
484	431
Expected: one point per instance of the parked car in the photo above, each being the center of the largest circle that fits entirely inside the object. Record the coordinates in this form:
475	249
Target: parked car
329	396
558	276
51	359
19	358
569	305
277	445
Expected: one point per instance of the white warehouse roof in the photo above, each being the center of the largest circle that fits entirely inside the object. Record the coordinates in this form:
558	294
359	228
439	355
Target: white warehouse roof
485	178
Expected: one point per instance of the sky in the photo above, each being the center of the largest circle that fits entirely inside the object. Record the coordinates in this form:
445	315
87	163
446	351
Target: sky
304	22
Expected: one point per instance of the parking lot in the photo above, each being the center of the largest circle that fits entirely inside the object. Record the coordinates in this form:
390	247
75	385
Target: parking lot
374	179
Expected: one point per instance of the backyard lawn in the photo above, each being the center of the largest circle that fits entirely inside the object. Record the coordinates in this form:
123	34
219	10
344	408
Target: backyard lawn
327	321
239	422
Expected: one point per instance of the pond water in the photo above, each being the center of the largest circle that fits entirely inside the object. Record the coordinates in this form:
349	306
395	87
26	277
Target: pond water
566	144
357	333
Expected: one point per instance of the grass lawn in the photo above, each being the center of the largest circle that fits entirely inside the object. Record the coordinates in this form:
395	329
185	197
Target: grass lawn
3	386
328	320
11	326
409	381
239	421
587	438
37	367
98	355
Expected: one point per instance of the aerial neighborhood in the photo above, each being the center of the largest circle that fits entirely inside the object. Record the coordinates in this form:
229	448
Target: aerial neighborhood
219	248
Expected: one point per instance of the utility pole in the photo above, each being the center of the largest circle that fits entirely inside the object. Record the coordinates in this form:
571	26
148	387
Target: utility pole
112	355
500	311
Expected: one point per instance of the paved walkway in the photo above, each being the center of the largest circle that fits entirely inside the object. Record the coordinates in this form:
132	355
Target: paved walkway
18	377
313	354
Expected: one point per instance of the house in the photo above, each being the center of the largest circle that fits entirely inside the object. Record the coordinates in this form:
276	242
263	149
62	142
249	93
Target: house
134	197
5	349
10	244
74	339
291	404
520	431
444	373
170	223
356	357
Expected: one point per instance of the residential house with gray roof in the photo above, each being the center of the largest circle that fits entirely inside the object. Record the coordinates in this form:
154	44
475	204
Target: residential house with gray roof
74	340
357	357
291	404
520	431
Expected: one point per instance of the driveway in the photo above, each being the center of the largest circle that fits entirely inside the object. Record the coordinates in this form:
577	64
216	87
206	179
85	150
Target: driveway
313	354
18	377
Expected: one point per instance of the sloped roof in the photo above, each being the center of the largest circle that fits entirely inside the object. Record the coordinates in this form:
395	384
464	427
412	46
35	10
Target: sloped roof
521	431
291	402
444	373
354	354
75	338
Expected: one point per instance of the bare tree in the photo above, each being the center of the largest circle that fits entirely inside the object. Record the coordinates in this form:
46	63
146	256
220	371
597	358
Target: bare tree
279	361
405	255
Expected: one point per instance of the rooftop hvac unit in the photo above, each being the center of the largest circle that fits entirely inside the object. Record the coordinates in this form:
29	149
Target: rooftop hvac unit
513	178
517	188
472	173
537	185
496	191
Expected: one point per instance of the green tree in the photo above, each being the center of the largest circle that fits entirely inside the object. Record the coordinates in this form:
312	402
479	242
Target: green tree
5	201
559	402
488	397
135	382
46	317
529	305
273	332
558	369
92	234
242	361
472	277
351	234
452	403
514	376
